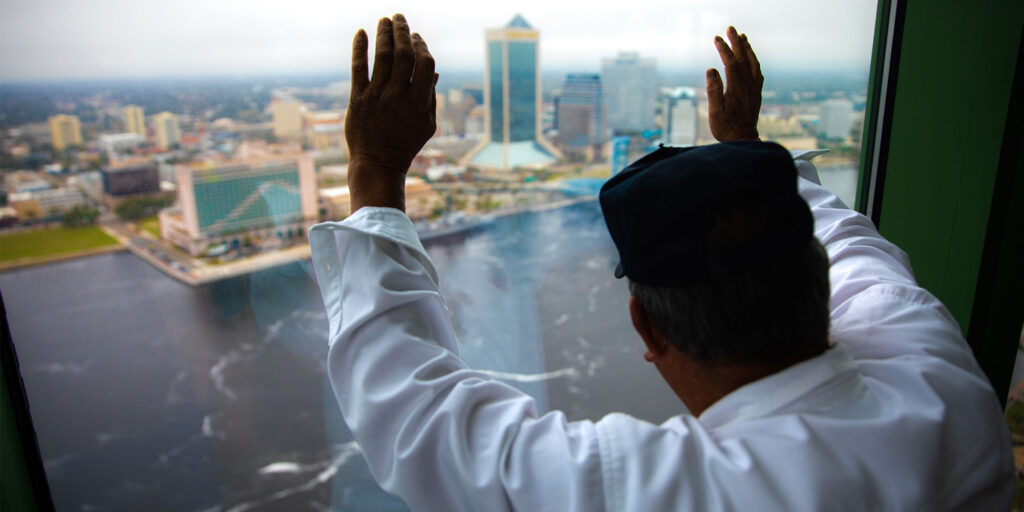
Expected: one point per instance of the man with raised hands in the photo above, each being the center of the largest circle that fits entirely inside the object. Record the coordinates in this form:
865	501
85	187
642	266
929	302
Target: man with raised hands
816	373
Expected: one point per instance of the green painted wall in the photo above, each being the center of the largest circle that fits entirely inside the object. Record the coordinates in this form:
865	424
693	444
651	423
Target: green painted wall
953	88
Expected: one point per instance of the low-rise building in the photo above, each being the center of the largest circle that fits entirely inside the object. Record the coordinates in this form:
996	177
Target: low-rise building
265	201
325	131
8	216
117	143
46	204
25	181
89	183
121	183
335	203
420	200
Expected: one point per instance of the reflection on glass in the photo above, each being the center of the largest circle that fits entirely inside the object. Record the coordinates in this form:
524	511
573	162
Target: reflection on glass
153	253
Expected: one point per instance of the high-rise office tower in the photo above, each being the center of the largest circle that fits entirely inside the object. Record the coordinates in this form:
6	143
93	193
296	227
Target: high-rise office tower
836	118
288	114
630	91
680	116
65	131
512	95
580	115
134	120
168	130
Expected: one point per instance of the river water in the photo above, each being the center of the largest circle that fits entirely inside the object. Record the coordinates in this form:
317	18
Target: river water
148	394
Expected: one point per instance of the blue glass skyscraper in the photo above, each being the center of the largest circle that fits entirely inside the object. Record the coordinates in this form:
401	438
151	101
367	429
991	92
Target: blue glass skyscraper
512	95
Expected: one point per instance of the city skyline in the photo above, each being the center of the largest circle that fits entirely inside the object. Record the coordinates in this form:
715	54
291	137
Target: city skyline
122	39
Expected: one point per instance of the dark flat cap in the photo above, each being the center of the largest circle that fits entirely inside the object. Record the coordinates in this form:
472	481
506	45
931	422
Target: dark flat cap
682	216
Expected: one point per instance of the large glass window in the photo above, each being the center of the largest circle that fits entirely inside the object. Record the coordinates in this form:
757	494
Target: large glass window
169	366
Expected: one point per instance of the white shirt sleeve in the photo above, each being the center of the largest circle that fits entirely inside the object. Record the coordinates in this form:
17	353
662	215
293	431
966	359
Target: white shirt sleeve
434	432
870	277
905	341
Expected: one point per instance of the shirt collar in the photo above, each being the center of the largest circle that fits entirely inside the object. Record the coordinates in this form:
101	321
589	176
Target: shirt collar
764	396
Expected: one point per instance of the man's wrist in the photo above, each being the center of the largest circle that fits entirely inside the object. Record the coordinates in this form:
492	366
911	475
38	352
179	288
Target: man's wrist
376	184
378	166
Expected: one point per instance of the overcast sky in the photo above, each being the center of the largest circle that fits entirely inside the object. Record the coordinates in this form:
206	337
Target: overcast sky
72	39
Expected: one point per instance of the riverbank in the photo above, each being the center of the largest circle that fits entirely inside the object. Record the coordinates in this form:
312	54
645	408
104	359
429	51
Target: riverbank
202	273
197	272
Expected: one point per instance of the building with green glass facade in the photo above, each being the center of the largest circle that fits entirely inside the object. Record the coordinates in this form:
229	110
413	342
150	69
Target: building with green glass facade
263	199
512	95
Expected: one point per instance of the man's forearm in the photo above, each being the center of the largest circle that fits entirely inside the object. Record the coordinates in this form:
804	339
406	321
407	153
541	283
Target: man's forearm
423	420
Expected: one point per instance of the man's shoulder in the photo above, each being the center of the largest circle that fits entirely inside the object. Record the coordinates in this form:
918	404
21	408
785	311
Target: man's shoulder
900	320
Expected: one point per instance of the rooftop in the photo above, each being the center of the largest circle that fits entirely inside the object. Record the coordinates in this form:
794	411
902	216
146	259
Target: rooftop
135	166
518	22
520	154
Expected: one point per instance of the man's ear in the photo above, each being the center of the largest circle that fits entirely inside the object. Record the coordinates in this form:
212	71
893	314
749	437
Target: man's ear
656	346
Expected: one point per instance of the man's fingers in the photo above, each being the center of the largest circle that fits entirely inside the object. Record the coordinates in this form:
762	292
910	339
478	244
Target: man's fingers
716	98
735	69
739	50
423	74
360	67
735	42
755	65
404	58
383	55
728	57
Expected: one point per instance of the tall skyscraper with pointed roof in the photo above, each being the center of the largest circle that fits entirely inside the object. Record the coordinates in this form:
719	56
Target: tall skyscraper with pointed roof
512	95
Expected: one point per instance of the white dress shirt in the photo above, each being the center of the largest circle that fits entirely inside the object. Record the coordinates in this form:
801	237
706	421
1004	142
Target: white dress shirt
895	416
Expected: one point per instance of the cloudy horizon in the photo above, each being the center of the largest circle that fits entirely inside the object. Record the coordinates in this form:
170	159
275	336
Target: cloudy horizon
82	40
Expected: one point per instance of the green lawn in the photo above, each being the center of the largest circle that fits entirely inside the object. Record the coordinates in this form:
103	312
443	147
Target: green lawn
49	242
152	225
